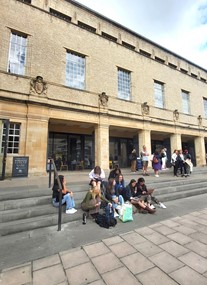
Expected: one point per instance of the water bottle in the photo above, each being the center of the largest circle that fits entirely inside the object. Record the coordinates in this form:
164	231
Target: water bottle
84	218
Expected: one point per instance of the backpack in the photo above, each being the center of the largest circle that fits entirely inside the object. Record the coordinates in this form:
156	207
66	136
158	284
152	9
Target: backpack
105	221
155	160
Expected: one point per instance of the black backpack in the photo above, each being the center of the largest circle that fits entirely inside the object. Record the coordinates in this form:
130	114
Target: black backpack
105	221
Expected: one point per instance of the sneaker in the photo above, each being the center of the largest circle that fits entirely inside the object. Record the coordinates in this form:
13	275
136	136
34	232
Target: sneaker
152	206
116	215
157	175
161	205
71	211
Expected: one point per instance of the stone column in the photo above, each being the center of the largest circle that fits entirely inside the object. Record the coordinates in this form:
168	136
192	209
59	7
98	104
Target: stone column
175	142
102	145
200	151
144	138
36	138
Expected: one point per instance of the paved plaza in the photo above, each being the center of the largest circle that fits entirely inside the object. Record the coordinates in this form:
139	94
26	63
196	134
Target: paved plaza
169	247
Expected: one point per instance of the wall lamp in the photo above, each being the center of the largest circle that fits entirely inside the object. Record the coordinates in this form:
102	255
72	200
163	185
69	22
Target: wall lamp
199	120
176	114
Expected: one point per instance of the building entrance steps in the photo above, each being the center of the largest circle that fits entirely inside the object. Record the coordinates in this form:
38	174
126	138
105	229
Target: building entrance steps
25	207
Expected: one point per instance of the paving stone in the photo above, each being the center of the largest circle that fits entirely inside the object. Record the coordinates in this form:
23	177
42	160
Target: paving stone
16	276
170	223
157	238
164	230
82	274
137	263
122	249
174	248
73	258
46	262
195	261
190	224
200	220
112	240
203	230
98	282
120	276
198	247
133	238
187	276
49	276
185	230
180	238
196	214
166	262
145	231
156	277
148	248
200	237
96	249
106	262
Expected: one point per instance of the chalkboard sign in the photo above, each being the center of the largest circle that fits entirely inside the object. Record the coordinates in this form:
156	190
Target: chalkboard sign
20	166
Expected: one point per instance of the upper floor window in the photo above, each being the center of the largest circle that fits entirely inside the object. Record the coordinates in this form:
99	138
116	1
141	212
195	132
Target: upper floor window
159	94
75	70
124	84
205	107
186	102
17	54
13	138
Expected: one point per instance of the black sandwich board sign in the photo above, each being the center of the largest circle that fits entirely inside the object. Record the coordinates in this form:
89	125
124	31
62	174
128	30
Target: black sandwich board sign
20	166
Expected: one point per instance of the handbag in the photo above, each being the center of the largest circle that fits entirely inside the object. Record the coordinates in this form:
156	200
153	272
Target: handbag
155	160
125	213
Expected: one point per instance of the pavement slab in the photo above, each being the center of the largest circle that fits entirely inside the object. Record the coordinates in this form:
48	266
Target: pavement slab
187	276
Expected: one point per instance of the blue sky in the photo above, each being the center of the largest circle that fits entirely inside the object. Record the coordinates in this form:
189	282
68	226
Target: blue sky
178	25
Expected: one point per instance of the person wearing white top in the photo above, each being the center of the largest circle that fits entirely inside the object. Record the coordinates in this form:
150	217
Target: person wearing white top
96	175
145	160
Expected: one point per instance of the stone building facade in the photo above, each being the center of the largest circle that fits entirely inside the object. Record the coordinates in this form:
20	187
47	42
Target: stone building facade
83	89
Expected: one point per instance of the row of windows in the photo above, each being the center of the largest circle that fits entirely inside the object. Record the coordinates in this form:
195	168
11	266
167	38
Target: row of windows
75	74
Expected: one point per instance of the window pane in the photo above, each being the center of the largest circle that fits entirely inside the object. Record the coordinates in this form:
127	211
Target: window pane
205	107
124	83
186	102
75	71
159	94
17	54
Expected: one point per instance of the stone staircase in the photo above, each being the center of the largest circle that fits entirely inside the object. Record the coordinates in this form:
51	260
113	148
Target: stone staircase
29	207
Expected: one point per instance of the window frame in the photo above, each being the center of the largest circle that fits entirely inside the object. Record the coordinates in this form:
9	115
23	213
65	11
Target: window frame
13	142
159	94
18	48
70	80
186	102
124	84
205	107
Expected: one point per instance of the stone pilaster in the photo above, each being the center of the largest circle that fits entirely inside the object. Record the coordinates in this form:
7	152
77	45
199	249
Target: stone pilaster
175	142
200	151
144	138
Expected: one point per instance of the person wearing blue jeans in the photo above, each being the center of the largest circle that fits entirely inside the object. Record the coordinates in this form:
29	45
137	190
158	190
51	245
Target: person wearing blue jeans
67	196
112	196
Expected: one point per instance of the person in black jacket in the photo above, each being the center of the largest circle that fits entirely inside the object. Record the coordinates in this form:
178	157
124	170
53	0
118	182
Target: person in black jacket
131	195
147	194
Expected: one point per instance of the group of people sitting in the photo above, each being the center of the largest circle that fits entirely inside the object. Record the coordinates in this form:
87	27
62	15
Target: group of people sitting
109	195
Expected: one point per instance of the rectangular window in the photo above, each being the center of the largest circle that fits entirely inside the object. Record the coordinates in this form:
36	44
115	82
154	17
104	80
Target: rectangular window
75	70
13	138
124	84
205	107
17	54
159	94
186	102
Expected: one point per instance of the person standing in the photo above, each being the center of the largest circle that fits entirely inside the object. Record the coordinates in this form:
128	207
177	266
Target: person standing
145	160
156	163
164	158
133	158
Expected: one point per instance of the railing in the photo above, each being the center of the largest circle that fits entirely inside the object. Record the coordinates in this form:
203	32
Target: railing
52	168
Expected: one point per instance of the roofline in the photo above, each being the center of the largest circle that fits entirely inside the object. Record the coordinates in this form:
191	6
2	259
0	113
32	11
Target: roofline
74	2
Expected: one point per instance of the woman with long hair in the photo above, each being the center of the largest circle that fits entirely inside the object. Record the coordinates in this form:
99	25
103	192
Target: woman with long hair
96	175
67	195
113	196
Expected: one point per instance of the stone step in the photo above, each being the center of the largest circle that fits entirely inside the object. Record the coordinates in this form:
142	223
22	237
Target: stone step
23	225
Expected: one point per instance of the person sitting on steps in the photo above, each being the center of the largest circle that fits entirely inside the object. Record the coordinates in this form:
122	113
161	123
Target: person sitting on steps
67	195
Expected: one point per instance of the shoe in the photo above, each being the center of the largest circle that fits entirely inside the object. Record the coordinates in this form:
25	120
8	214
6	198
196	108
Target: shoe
71	211
151	211
116	215
146	174
176	175
156	175
152	206
161	205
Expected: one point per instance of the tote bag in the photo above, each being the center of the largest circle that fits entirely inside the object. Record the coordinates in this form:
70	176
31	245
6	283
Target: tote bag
125	213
